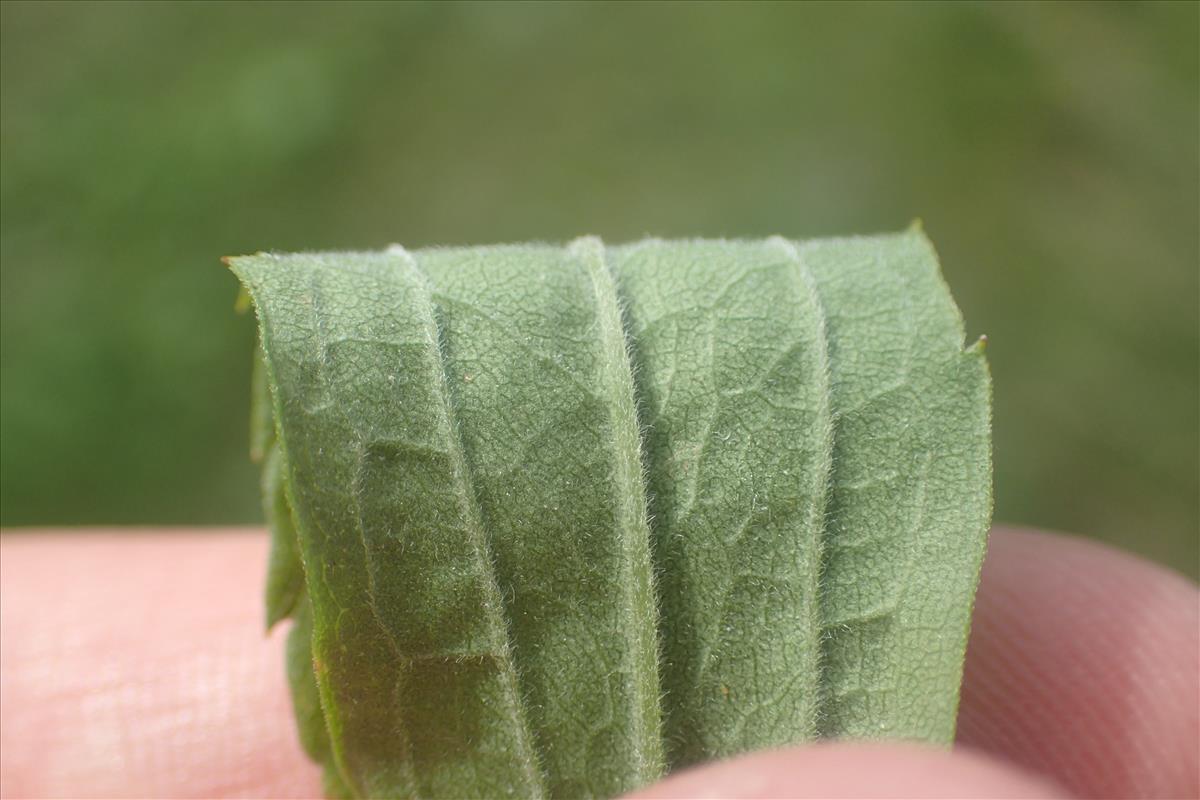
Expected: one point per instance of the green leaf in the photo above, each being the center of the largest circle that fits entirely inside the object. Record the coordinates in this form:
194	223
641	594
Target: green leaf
572	517
285	572
262	417
306	697
910	498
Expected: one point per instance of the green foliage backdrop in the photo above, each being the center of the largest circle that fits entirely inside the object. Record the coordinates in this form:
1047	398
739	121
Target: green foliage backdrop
1051	150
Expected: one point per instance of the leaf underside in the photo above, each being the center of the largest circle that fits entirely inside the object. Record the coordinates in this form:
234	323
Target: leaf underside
553	521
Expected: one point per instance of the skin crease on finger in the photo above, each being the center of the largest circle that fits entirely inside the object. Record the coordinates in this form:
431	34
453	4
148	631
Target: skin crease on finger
134	665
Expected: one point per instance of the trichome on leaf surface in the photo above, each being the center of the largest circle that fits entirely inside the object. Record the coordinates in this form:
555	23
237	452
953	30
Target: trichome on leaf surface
554	521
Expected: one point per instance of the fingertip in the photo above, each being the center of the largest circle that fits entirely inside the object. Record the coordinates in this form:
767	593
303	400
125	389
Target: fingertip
1084	663
843	770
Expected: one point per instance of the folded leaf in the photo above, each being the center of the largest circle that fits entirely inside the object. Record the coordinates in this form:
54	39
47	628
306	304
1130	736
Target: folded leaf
910	490
571	517
734	381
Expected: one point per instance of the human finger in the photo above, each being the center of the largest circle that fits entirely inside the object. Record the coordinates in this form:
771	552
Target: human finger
1084	664
135	665
853	771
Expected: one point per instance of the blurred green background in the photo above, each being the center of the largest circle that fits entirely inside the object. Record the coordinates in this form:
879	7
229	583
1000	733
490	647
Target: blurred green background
1052	151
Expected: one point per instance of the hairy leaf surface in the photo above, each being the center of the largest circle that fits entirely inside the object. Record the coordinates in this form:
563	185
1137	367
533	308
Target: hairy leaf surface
556	520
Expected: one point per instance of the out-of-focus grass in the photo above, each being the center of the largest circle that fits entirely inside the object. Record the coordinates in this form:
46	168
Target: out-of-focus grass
1052	151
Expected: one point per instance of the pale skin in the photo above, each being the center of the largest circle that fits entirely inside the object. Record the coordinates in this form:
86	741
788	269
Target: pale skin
133	664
